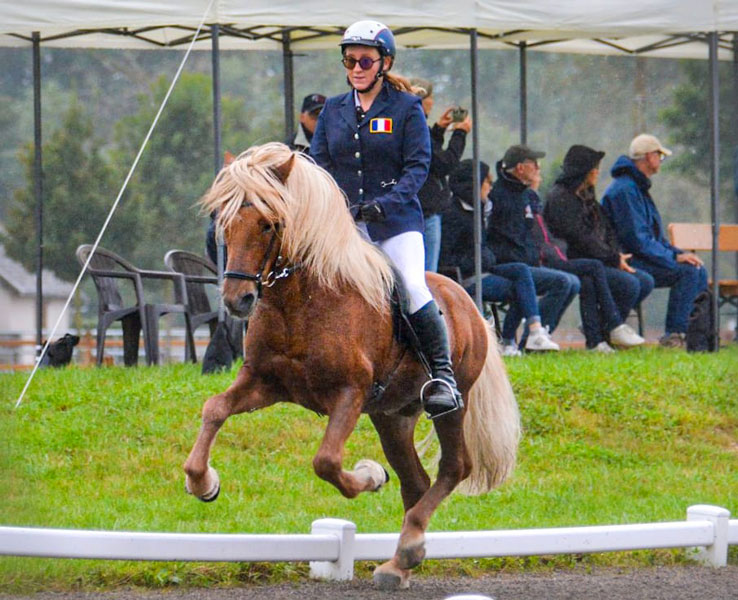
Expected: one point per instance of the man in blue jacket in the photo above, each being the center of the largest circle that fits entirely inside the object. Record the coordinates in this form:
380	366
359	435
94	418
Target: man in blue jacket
628	204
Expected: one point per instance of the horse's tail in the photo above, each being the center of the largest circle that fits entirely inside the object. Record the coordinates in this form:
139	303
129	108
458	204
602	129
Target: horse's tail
491	425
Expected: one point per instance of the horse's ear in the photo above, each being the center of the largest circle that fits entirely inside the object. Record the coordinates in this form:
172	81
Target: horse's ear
282	171
228	158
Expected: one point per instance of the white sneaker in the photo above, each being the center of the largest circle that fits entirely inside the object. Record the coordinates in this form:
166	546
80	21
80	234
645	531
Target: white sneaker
603	348
511	350
623	335
540	340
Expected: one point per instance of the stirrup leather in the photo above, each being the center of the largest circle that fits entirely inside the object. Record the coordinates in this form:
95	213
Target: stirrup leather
454	394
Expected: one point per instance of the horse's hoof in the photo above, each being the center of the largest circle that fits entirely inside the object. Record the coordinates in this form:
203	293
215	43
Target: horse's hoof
377	473
411	556
214	491
387	578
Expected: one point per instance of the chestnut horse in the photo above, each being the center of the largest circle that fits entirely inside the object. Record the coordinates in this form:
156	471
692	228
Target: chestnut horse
317	296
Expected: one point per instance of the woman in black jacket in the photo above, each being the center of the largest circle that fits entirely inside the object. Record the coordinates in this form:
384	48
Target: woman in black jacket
573	214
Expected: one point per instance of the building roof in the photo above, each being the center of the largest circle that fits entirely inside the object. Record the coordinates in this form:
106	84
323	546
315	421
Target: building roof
19	279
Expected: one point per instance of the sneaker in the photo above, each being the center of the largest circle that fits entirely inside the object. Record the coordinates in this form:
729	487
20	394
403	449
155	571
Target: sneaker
603	348
673	340
540	340
511	350
623	335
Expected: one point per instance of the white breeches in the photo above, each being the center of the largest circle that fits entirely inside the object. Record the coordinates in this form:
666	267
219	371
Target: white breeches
407	252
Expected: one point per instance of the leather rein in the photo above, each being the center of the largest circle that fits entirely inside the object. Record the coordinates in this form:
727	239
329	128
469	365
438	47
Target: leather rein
277	272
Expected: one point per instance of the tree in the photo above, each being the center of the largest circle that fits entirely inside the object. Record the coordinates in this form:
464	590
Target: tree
78	192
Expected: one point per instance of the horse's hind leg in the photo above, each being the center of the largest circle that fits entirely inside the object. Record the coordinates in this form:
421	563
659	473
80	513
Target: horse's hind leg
243	395
396	434
367	476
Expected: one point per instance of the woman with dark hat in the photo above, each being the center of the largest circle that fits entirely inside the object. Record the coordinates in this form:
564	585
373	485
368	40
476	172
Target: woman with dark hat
574	215
374	141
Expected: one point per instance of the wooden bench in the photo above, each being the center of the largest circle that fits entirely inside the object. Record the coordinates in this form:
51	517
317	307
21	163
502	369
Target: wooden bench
697	237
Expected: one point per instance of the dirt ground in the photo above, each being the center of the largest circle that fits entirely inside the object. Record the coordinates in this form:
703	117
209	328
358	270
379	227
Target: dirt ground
658	583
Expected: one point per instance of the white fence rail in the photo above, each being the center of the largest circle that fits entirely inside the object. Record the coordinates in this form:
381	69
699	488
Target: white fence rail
333	545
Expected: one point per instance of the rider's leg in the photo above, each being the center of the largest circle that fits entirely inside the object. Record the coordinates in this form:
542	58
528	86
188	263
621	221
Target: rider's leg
407	253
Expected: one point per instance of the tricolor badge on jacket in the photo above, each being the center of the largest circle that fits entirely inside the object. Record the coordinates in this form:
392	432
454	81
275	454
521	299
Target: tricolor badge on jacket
380	126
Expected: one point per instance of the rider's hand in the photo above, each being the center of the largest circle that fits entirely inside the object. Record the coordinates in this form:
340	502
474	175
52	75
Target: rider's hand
372	212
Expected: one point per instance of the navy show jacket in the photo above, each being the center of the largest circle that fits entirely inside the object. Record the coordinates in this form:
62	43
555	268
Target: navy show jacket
385	157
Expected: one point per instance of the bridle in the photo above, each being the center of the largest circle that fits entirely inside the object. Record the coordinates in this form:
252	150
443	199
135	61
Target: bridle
277	272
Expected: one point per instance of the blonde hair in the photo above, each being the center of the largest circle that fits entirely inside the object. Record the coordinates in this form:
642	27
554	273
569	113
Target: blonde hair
318	230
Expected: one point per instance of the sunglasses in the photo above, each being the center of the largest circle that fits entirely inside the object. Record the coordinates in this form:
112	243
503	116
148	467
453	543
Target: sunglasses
364	62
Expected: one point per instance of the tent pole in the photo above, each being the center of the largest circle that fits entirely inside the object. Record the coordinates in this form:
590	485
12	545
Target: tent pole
38	189
474	54
289	87
218	153
734	119
715	173
523	93
217	119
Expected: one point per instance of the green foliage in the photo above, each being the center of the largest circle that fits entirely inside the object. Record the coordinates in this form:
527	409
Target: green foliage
78	184
688	121
634	437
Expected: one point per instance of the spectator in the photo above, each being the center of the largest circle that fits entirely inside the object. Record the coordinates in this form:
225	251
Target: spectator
511	282
434	196
312	104
637	222
574	215
510	236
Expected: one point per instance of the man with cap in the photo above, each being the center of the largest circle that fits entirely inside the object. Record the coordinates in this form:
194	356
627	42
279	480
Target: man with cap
510	235
637	222
312	104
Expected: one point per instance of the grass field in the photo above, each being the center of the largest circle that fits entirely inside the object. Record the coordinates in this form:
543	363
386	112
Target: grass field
633	437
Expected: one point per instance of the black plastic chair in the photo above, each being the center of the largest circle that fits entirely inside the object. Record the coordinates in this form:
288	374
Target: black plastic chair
106	268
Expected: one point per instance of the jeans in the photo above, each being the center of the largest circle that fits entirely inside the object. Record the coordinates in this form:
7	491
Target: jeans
685	281
432	241
511	282
597	306
628	289
557	289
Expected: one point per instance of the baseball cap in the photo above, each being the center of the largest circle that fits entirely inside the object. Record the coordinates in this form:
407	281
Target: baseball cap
645	143
313	102
520	153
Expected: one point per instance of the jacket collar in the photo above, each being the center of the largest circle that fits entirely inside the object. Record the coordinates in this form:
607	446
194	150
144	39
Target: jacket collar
624	166
508	180
383	99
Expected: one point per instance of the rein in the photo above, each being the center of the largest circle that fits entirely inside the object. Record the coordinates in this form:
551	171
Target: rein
272	276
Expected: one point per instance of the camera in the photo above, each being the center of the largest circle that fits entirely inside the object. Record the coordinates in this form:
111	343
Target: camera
458	114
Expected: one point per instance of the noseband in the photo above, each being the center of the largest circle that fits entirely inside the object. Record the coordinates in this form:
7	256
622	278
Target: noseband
274	274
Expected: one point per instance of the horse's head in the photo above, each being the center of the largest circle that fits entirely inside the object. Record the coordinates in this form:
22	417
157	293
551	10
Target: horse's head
252	229
272	202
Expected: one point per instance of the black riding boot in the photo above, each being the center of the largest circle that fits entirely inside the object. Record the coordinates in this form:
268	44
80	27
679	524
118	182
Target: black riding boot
440	395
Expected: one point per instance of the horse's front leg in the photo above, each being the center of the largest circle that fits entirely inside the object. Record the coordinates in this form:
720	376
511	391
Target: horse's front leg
367	475
245	394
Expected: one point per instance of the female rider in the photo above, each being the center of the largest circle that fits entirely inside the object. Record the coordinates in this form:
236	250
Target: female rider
374	141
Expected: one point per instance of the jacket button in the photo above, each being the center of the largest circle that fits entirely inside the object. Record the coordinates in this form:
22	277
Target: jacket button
358	155
361	191
356	136
358	172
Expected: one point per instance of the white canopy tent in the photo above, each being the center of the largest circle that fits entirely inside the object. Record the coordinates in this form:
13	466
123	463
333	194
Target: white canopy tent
666	28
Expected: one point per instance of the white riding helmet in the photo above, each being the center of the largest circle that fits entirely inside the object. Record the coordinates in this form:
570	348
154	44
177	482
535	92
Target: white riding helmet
370	33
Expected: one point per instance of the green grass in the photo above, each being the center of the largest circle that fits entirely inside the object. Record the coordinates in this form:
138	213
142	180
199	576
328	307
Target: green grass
634	437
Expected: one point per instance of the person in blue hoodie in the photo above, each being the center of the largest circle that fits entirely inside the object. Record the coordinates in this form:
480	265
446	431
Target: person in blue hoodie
637	222
375	142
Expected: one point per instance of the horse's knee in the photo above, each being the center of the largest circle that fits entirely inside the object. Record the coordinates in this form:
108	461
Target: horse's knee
215	411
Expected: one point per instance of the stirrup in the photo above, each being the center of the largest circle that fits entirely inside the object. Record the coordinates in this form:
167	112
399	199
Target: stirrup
458	403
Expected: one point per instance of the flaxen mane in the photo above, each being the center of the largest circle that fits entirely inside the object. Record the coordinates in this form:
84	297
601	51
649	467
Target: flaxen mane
317	228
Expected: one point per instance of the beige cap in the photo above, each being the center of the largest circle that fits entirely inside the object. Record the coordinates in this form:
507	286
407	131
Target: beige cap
645	143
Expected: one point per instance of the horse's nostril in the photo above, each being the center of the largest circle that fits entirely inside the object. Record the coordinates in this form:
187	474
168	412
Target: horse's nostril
243	306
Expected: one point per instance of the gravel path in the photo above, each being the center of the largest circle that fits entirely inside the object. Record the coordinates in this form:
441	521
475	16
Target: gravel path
659	583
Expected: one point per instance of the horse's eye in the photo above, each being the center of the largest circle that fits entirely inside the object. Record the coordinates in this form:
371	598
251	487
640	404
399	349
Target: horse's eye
266	228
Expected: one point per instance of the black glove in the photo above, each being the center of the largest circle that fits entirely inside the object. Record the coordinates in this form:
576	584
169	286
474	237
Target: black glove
372	212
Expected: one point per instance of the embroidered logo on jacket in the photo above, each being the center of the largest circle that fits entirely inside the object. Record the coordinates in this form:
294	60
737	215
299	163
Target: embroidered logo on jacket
380	126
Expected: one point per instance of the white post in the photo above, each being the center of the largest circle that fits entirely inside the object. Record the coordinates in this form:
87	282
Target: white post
343	568
715	555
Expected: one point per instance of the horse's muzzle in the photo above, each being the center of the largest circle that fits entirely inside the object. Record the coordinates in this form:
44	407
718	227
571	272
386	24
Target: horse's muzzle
242	306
